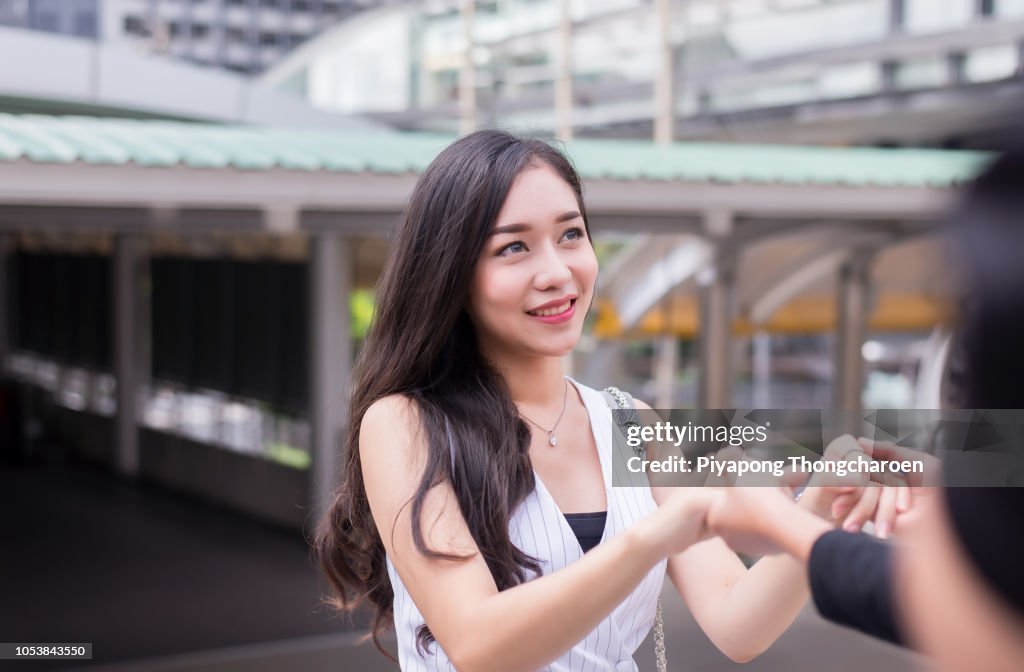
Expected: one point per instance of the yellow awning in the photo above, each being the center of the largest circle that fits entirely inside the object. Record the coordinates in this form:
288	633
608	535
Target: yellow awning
802	315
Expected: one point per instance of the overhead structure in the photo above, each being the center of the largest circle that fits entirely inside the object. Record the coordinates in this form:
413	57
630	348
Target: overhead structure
734	215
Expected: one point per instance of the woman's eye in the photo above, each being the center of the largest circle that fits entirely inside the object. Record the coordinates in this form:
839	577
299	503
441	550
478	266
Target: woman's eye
575	233
512	248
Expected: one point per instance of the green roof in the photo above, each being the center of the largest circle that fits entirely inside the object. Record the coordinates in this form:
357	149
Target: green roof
94	140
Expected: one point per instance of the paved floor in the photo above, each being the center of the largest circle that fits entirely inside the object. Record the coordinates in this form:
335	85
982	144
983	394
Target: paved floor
161	582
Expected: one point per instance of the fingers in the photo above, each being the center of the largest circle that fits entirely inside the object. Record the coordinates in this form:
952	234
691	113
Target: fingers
903	499
885	451
843	504
885	513
863	510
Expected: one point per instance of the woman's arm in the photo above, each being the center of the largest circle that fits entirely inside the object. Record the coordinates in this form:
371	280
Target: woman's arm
850	575
742	611
478	627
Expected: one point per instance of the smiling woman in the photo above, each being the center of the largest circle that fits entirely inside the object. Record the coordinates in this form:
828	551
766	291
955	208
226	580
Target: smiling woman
487	544
535	279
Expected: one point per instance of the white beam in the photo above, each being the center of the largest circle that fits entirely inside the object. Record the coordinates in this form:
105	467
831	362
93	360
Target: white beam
27	183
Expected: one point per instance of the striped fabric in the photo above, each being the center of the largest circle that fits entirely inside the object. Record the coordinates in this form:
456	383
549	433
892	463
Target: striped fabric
540	529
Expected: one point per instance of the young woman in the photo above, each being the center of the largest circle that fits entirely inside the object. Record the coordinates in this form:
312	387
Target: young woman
469	455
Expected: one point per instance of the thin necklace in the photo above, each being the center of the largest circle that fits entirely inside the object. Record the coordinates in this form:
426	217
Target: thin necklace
552	439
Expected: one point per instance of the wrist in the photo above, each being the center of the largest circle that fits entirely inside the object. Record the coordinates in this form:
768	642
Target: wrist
801	532
647	540
815	500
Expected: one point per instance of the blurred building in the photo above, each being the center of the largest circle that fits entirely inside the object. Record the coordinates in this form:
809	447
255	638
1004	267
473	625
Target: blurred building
879	72
241	35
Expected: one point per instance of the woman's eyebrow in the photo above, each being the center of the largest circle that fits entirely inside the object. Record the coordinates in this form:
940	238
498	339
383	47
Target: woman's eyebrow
519	227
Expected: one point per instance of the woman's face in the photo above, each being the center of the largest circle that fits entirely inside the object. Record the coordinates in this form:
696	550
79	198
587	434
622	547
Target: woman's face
534	281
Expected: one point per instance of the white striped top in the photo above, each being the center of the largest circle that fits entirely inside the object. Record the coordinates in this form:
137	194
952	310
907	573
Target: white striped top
539	529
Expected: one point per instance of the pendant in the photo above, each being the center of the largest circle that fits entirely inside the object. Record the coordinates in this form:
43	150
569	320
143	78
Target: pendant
552	440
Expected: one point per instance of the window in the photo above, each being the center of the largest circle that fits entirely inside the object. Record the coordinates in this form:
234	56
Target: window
134	25
84	24
46	21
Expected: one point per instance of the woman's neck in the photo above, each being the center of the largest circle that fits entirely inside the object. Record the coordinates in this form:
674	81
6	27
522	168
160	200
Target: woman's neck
538	382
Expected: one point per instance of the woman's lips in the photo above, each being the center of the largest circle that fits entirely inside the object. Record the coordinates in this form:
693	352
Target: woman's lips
556	315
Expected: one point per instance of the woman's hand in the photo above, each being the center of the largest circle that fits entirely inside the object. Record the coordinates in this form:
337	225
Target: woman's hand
681	518
747	518
897	505
853	499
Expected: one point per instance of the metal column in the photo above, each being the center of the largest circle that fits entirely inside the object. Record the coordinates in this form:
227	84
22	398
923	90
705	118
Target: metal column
716	299
852	312
665	365
129	260
715	293
467	73
762	369
330	285
563	82
664	83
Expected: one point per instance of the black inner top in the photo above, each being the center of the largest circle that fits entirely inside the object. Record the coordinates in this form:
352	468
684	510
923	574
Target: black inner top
588	527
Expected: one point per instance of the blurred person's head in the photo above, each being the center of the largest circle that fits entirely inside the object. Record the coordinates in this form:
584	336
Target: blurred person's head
454	292
959	574
988	231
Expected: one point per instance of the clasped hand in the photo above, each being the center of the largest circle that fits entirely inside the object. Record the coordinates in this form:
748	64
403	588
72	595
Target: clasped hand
753	519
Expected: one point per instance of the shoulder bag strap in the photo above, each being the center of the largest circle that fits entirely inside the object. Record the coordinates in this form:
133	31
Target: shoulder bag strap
619	400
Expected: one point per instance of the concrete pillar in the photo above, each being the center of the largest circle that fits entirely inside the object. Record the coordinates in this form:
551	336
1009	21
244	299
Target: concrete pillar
716	305
130	260
715	295
897	16
897	26
852	313
665	365
762	369
664	83
889	72
956	64
467	73
331	270
563	81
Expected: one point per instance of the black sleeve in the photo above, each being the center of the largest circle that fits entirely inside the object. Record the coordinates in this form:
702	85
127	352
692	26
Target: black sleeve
851	582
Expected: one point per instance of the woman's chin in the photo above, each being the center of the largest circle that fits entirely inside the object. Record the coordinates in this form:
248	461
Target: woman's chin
560	348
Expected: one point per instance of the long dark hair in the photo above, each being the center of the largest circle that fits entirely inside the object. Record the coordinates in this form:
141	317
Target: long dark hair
423	345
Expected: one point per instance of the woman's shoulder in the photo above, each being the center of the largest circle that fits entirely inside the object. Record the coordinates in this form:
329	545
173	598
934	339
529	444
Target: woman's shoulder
391	422
394	408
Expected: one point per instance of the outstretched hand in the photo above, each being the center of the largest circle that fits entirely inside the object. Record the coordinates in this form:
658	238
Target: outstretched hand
895	506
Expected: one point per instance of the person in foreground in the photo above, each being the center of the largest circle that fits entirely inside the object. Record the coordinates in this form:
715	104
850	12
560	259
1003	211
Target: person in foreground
952	587
472	464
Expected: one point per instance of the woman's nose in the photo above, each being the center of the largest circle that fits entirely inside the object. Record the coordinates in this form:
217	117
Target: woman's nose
553	271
